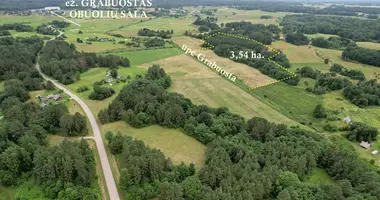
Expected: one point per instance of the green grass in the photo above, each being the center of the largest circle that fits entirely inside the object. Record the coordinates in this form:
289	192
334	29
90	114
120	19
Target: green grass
335	57
96	74
320	35
173	143
320	176
30	190
147	56
370	45
292	101
318	66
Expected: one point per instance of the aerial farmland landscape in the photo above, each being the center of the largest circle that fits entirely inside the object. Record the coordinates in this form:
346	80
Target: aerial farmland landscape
189	100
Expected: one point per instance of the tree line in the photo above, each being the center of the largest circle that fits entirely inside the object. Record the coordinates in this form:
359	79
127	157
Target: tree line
245	159
333	43
152	33
61	61
223	45
345	27
362	55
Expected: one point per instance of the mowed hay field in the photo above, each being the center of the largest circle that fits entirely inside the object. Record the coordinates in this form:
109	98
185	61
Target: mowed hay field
251	76
370	45
203	86
296	54
178	25
173	143
335	57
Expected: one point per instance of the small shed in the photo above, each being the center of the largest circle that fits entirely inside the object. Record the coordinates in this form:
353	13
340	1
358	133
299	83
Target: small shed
347	120
375	152
365	145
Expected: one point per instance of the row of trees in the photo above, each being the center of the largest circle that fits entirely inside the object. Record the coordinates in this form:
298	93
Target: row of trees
352	73
253	159
345	27
61	61
152	33
17	27
333	43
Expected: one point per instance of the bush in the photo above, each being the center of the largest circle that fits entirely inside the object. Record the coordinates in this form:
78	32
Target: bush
82	89
101	93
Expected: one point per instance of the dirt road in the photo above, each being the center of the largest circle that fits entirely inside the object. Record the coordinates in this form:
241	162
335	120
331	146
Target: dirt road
110	181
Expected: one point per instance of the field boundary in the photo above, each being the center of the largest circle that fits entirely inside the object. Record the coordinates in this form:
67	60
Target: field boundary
277	52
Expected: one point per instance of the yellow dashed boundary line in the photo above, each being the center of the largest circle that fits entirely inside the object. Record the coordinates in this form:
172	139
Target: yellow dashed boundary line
277	52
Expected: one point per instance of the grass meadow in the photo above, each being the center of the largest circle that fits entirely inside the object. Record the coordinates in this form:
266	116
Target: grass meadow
173	143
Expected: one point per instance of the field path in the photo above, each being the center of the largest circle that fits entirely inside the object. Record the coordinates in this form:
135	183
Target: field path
110	181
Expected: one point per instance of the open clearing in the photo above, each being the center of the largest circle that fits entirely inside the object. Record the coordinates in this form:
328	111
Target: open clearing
251	76
320	176
370	45
173	143
203	86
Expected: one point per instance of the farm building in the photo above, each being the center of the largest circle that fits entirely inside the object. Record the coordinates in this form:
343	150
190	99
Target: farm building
365	145
347	120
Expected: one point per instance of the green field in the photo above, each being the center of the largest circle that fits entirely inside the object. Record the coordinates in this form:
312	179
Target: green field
96	74
140	57
370	45
335	57
292	101
173	143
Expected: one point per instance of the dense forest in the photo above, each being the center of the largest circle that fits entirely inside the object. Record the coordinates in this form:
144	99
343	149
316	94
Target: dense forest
297	39
61	61
24	150
253	159
362	55
263	35
345	27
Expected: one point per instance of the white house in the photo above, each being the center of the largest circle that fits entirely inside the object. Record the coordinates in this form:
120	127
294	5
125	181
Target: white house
375	152
347	120
365	145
